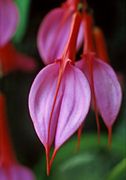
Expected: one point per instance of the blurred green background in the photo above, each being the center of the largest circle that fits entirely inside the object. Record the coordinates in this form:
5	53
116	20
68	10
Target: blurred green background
93	161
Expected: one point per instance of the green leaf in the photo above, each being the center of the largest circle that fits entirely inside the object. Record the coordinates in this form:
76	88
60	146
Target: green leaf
93	161
118	171
23	6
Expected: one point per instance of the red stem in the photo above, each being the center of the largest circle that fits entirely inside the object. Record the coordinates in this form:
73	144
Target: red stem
109	137
6	148
79	133
100	44
69	53
70	49
47	162
51	114
53	156
89	55
90	60
88	36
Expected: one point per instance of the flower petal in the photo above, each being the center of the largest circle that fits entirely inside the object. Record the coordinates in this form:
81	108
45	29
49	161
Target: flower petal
74	106
53	34
72	103
108	92
8	20
107	89
41	99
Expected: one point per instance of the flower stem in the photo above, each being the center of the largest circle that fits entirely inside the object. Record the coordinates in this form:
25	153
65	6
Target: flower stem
79	134
70	48
53	156
88	34
47	162
109	137
100	44
89	54
6	149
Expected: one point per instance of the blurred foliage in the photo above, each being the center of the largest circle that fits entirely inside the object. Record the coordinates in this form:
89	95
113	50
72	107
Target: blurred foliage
119	171
23	7
93	161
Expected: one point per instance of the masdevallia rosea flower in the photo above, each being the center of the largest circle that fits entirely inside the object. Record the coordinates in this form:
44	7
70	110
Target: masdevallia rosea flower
54	32
11	60
105	88
59	98
9	18
9	166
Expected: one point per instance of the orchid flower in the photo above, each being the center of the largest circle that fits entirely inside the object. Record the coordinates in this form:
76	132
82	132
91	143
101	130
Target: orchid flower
9	19
59	98
11	59
105	88
9	167
54	32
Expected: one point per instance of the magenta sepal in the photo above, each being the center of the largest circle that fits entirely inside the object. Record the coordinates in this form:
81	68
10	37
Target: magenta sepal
107	89
53	34
9	18
70	108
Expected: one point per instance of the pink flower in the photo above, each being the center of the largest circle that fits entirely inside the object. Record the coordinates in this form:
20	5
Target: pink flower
105	88
11	59
59	98
9	167
54	32
9	19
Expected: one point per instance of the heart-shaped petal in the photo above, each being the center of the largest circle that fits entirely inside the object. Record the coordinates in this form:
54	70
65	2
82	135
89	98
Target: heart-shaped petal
71	107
